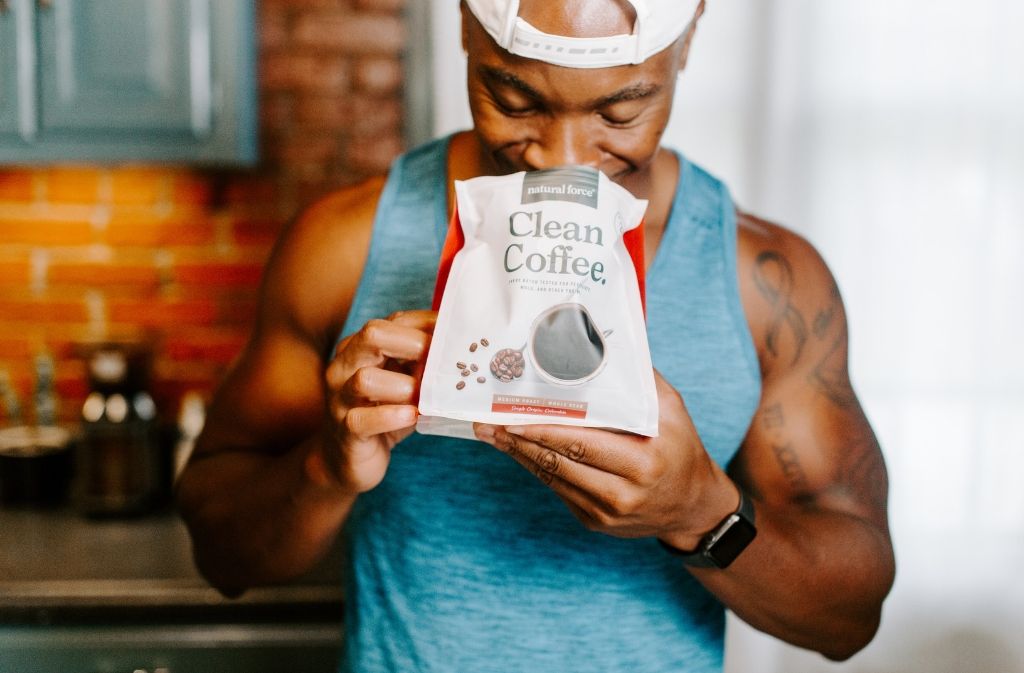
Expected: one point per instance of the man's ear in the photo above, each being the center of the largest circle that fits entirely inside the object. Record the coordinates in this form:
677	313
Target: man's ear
688	37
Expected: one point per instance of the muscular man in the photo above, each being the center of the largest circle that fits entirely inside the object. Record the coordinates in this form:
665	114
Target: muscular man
561	549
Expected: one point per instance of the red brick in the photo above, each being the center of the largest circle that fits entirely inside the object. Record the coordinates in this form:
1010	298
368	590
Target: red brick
71	384
373	155
163	313
143	229
381	5
378	75
139	186
16	185
15	271
254	232
252	191
170	386
304	72
306	149
333	113
376	118
99	273
238	311
273	26
42	310
219	274
14	348
350	33
72	184
276	110
209	347
45	231
300	5
192	190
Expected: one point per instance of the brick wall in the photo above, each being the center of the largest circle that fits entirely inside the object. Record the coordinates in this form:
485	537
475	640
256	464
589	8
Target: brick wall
173	254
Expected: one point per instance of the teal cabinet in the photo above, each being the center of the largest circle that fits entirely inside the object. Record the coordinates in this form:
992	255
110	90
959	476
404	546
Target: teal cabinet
127	80
17	63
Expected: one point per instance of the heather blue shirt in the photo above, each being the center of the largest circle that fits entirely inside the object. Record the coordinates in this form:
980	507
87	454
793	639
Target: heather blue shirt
463	561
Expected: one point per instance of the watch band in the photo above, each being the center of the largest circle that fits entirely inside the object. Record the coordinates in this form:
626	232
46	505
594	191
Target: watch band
723	544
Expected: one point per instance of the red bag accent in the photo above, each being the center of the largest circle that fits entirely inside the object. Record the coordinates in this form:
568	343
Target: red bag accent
455	239
453	242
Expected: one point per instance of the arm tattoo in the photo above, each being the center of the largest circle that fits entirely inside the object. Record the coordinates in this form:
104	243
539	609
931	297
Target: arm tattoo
773	276
774	422
791	468
829	375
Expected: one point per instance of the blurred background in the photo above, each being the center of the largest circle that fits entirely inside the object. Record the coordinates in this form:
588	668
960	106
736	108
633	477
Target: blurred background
150	153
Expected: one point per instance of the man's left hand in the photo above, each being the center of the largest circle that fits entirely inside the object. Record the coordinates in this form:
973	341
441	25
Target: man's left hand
627	485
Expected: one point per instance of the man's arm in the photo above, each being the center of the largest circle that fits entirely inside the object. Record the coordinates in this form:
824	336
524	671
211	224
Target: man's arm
295	430
823	561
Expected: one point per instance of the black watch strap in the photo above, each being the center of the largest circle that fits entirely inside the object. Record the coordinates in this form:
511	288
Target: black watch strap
724	543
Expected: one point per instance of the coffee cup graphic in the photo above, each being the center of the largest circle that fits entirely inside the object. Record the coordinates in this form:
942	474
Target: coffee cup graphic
566	346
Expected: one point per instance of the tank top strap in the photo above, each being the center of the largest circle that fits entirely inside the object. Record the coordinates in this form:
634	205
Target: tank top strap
408	231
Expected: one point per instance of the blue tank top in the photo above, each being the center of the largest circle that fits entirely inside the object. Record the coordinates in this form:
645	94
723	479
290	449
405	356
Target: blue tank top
460	560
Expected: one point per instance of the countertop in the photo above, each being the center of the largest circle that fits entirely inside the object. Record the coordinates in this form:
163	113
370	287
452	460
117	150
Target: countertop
57	566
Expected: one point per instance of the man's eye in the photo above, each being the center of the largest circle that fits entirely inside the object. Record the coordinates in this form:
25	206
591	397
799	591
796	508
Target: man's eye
618	120
514	108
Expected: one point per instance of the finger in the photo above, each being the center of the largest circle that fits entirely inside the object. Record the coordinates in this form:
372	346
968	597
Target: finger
375	385
547	463
610	452
592	510
421	320
373	345
366	423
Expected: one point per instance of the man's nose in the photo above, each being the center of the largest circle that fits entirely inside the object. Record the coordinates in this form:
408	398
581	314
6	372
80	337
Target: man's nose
563	143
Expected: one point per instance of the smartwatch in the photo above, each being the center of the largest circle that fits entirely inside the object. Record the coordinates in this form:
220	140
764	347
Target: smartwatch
724	543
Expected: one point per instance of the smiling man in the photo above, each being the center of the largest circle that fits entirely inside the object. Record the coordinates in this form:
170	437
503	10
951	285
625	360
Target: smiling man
551	548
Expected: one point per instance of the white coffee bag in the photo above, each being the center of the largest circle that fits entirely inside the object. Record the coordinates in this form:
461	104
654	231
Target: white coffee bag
541	318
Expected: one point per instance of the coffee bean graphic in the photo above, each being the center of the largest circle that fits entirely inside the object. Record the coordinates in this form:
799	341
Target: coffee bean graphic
507	364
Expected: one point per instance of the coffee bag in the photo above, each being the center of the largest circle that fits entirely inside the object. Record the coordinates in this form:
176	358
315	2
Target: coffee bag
540	308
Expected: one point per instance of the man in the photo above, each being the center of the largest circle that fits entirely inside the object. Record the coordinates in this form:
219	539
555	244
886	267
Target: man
566	549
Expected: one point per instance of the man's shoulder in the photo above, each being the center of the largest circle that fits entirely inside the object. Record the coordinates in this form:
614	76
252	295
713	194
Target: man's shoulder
786	287
315	268
760	241
339	213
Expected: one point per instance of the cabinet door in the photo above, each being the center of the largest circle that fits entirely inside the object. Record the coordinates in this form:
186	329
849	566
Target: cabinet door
17	69
126	65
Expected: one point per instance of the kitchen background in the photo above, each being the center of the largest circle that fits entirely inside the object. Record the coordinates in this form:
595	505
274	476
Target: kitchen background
173	253
890	134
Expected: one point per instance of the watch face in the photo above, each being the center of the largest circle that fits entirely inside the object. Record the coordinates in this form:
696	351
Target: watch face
724	549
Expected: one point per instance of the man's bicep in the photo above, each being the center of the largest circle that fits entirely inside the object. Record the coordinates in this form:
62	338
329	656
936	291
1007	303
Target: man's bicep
271	399
803	450
810	443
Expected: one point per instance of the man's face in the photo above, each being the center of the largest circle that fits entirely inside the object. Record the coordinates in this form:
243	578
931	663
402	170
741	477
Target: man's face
530	114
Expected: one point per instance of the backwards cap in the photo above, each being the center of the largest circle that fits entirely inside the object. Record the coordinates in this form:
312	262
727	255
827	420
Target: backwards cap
658	24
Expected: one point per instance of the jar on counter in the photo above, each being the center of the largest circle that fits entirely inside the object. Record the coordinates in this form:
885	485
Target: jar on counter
119	461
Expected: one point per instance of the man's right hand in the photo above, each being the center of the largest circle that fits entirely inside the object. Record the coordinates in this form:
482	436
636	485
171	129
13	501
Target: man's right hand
372	386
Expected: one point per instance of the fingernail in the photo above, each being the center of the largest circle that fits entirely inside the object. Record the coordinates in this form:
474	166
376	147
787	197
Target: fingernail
515	429
485	433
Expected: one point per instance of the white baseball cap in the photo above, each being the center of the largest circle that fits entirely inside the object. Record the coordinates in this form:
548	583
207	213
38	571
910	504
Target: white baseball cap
658	24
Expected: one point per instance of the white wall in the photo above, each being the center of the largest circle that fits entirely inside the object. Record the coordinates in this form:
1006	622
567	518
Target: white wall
892	135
